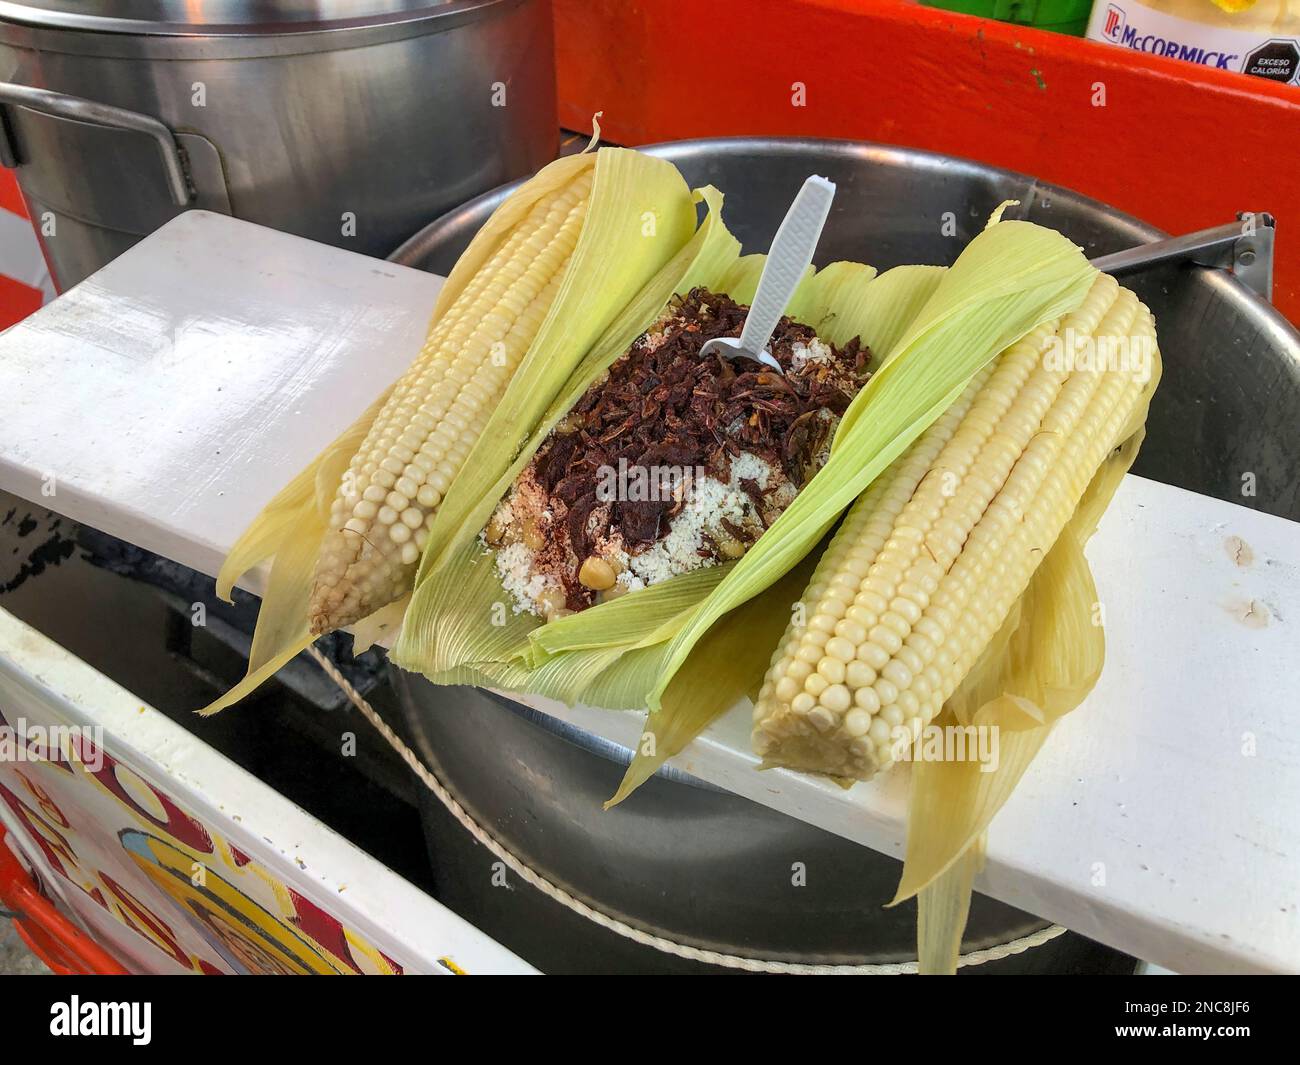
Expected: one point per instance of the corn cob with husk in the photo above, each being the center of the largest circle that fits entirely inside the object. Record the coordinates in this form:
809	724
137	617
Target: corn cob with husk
555	264
931	559
417	445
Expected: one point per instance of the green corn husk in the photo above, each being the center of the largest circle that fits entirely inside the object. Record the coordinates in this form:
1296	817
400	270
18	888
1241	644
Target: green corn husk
1011	278
909	314
701	691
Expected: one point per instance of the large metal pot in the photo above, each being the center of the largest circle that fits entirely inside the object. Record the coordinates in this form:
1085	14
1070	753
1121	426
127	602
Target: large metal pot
692	863
347	121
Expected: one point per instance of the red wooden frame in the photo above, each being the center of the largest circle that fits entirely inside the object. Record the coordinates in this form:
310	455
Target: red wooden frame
1180	146
17	300
11	199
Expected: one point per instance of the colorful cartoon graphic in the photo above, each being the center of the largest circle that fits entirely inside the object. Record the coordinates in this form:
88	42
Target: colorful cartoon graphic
202	901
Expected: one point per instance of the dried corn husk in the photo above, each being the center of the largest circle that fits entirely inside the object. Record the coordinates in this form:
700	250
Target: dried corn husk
1043	663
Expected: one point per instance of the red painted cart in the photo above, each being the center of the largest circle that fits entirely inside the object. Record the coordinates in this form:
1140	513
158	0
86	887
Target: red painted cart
1178	145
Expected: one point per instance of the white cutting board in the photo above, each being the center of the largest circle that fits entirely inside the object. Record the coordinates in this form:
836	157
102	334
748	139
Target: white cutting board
176	390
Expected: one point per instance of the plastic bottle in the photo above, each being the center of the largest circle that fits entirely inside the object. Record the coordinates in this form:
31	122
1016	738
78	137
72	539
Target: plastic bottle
1063	16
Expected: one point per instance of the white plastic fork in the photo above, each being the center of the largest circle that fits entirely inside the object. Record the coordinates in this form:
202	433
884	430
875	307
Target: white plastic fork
791	252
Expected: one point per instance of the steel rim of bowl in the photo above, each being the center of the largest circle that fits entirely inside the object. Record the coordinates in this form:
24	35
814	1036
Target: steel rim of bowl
871	151
414	246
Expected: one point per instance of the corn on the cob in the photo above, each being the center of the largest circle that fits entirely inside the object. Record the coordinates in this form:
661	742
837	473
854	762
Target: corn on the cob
389	495
930	560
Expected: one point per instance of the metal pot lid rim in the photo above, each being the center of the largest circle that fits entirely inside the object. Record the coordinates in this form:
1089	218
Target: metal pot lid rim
227	17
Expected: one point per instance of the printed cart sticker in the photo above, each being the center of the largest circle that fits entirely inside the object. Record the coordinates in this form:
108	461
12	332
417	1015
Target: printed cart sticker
166	879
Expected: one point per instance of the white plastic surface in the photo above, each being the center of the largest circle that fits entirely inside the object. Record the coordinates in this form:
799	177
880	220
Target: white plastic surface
143	396
1161	818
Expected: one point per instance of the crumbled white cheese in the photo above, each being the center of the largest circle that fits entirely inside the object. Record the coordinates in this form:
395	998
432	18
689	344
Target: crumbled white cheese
678	552
630	581
709	502
515	567
749	467
815	351
652	341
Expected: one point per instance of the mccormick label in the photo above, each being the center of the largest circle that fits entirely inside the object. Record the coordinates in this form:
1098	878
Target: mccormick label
1174	31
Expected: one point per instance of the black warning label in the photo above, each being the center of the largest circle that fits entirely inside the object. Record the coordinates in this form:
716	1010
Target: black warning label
1275	60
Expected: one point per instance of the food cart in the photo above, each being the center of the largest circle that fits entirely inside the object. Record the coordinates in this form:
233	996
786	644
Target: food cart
209	342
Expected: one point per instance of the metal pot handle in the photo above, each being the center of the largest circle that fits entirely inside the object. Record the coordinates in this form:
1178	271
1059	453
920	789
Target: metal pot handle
61	105
1245	247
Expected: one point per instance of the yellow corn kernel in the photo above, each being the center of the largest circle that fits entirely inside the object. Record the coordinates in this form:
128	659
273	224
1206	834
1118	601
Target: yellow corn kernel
945	542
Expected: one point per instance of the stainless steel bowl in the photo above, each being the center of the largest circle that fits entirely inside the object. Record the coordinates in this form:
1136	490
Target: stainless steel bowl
692	863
